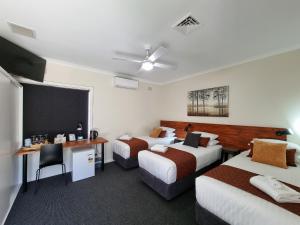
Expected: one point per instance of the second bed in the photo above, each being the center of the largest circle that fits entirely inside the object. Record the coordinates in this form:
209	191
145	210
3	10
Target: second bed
171	173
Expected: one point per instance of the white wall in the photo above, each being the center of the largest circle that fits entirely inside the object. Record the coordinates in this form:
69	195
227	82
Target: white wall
9	143
115	110
262	93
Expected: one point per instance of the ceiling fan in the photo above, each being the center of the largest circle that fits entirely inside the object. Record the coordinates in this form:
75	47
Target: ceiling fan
150	61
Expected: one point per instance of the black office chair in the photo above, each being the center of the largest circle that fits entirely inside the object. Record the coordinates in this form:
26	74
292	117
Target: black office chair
51	154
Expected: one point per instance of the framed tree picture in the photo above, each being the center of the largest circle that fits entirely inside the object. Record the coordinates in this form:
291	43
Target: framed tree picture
212	102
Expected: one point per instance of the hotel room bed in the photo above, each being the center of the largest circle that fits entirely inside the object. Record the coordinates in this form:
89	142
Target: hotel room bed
221	203
160	173
121	150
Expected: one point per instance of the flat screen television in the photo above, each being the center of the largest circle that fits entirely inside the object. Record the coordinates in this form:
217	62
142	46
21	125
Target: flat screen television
19	61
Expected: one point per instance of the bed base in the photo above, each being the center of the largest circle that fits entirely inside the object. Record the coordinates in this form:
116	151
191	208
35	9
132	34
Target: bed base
205	217
170	191
129	163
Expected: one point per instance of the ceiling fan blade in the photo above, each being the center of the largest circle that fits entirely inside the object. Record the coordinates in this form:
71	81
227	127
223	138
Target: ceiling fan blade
164	66
129	60
140	69
158	53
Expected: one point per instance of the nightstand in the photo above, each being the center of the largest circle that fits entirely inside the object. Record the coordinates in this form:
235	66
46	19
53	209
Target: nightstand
226	151
177	140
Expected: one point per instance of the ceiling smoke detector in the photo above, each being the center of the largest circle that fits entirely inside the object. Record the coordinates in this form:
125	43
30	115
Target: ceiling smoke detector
186	24
22	30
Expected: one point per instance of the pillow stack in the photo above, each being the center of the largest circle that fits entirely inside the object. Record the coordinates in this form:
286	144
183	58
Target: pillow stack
192	140
202	139
167	132
275	152
162	132
155	132
207	139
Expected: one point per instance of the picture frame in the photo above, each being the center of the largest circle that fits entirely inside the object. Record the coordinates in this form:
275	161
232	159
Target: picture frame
210	102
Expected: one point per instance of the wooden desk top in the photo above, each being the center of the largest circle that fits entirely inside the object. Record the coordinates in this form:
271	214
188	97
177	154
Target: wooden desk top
68	144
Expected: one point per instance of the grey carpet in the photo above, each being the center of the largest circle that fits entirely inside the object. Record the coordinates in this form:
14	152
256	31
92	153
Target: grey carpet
112	197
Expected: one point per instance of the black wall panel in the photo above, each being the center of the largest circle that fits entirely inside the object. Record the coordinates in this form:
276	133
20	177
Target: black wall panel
52	110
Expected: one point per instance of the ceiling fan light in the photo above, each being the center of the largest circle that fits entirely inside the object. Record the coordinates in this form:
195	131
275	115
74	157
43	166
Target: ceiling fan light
147	66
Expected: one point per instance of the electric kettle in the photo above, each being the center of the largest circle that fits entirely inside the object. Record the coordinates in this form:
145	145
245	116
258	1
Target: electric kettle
93	134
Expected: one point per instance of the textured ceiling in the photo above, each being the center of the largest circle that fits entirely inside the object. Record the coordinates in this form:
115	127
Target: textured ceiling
90	32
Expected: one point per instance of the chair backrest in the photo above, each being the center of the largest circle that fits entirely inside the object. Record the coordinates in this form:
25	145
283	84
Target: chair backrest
51	154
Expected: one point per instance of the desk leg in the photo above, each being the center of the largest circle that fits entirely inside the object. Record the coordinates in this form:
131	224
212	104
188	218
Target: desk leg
102	156
25	173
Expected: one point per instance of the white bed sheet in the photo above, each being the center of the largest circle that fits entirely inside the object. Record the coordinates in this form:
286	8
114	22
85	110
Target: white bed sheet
166	170
236	206
123	149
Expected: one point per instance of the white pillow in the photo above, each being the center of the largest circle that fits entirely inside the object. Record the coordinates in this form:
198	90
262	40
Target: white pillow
213	142
168	129
170	134
125	137
205	134
290	145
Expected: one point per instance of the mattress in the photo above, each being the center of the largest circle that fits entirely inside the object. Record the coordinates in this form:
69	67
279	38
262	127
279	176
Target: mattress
166	170
123	149
236	206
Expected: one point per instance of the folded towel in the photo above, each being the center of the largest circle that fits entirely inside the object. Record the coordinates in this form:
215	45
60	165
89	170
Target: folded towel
159	148
274	188
125	137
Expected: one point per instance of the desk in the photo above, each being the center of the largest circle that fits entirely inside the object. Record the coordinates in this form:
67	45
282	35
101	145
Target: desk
24	152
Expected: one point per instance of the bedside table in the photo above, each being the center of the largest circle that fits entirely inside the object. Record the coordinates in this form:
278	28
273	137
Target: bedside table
177	140
226	151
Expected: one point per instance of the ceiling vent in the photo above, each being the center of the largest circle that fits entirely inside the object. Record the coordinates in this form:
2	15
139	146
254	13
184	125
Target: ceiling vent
186	24
21	30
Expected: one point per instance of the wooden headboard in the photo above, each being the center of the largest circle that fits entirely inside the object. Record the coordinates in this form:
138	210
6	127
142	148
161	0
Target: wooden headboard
229	135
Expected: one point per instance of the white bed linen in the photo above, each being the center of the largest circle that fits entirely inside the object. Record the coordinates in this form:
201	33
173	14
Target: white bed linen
166	170
123	149
236	206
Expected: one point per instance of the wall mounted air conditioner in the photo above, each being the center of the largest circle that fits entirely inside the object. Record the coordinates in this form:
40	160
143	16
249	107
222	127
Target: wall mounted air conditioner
121	82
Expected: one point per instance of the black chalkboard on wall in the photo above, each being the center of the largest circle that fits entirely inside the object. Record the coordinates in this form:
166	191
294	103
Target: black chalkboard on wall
53	110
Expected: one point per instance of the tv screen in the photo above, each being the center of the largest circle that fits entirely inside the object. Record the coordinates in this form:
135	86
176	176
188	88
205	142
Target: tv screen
21	62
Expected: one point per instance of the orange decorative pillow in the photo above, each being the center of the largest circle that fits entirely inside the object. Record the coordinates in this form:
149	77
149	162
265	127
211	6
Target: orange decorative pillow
162	134
290	156
270	153
203	141
155	132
